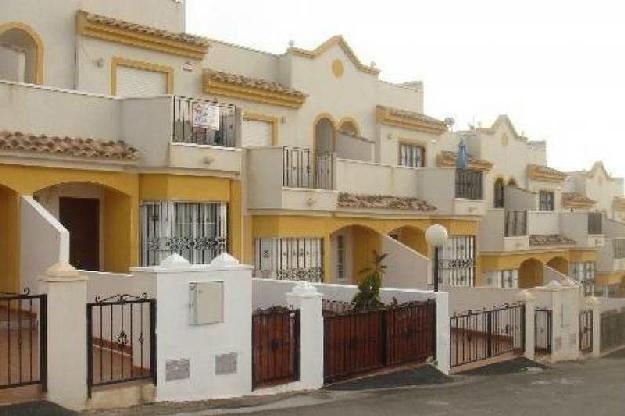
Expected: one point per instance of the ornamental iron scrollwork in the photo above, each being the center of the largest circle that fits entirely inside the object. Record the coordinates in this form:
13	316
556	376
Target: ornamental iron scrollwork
121	298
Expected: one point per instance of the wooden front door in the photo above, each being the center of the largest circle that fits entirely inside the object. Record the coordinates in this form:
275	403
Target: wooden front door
81	217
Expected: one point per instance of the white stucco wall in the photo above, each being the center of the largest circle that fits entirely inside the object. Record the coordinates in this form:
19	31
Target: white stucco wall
406	268
12	64
43	242
543	222
368	178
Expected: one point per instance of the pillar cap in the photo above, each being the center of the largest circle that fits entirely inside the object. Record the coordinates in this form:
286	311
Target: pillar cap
305	290
525	296
62	272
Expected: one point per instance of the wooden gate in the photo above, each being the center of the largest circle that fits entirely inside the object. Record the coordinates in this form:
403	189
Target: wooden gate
275	346
585	330
357	342
23	335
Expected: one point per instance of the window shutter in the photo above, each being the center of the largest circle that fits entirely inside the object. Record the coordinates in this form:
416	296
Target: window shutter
132	82
256	133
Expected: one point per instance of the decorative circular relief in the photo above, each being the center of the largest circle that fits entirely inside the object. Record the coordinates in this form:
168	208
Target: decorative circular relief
337	68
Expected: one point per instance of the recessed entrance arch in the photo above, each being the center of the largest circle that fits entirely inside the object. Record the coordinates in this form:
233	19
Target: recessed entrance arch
9	240
412	237
560	264
22	50
530	273
99	221
352	250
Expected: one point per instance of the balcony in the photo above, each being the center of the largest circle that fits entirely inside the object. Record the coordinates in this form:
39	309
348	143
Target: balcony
612	256
309	182
160	127
503	230
304	182
586	228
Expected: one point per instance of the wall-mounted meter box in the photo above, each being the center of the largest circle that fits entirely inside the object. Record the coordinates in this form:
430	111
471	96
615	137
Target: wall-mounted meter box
206	302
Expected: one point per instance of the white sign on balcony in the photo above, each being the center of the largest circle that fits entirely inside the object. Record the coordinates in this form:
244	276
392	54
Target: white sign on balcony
206	115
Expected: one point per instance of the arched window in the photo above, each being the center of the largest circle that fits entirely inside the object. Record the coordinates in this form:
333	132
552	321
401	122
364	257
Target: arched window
498	194
325	136
21	53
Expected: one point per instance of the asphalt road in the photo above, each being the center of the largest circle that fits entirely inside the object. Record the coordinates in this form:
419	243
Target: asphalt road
595	387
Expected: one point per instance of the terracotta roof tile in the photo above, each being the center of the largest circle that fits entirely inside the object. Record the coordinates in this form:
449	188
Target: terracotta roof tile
448	158
409	119
576	198
256	83
67	146
144	29
347	200
541	172
551	240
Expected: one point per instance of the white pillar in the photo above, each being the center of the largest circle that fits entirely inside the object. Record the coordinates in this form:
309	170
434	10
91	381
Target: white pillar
305	297
67	335
530	309
592	303
443	347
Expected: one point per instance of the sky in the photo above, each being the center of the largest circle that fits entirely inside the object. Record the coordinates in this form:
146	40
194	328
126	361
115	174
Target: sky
555	67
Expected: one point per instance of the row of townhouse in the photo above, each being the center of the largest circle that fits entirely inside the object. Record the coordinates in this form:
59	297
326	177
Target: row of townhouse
142	141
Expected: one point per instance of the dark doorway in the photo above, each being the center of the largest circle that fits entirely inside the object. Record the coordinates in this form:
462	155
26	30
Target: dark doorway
81	217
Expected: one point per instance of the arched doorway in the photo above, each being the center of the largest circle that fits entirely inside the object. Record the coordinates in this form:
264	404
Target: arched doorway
498	193
560	264
9	240
21	51
99	220
352	250
412	237
530	274
325	135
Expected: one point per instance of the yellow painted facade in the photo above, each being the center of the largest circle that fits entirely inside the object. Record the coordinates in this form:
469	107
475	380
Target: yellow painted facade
324	226
122	194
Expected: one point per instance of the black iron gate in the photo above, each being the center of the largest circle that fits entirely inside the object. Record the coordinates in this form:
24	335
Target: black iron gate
586	330
543	329
482	334
612	330
121	340
23	335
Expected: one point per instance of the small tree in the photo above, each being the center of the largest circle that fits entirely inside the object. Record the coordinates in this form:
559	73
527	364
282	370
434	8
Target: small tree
368	296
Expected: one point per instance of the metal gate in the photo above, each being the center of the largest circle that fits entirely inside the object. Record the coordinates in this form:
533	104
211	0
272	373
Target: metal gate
357	342
478	335
612	330
543	330
585	330
275	346
121	340
23	335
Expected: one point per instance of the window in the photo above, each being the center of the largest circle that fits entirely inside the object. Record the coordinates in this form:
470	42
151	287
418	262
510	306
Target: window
289	258
257	133
196	231
503	279
498	193
456	261
340	257
411	155
584	273
546	201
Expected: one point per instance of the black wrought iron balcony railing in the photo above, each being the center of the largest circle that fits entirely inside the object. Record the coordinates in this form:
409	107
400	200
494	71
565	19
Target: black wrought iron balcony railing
469	184
515	224
595	225
301	168
204	122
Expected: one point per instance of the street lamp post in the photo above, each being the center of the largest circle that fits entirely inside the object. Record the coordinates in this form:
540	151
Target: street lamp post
436	235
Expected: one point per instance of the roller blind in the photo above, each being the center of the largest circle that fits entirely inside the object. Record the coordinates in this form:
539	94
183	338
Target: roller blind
132	82
256	133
